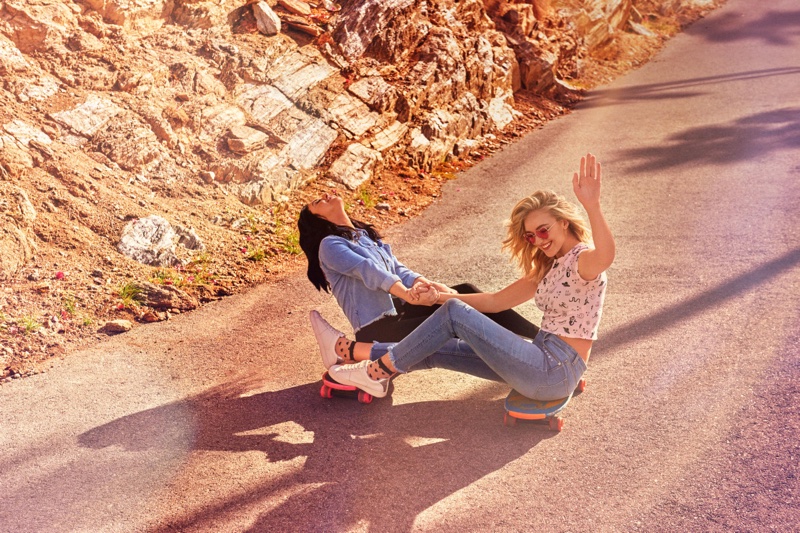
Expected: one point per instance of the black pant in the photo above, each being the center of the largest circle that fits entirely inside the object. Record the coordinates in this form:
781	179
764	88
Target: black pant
396	328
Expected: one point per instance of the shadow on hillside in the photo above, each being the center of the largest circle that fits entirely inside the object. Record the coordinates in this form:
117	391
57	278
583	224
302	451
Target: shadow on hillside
749	137
364	464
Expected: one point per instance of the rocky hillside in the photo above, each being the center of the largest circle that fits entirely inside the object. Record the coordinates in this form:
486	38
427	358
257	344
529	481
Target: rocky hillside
153	154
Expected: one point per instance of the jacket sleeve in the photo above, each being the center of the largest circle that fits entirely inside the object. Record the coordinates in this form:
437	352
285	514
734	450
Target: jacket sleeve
407	276
336	254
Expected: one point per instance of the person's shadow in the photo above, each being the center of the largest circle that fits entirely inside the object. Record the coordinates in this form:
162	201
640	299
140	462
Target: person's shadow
374	464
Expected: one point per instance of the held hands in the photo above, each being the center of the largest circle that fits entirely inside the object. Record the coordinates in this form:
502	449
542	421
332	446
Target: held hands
587	184
424	293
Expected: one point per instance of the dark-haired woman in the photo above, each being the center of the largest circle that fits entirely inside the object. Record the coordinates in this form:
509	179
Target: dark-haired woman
382	299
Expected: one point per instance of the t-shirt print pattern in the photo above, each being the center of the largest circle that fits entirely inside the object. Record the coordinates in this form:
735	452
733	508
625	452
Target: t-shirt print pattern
571	306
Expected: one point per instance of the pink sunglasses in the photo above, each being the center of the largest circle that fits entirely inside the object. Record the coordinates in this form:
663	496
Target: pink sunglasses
542	233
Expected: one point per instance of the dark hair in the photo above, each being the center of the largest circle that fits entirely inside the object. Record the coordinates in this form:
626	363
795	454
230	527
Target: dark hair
312	230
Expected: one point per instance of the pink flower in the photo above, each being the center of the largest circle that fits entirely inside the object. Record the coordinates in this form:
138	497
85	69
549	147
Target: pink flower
60	275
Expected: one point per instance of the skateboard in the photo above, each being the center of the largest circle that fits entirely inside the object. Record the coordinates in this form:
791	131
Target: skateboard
518	407
331	387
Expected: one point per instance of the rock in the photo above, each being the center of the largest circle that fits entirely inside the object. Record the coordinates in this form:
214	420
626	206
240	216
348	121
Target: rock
129	143
298	71
308	143
302	24
87	118
37	26
389	136
11	60
113	327
152	316
24	133
164	297
151	241
501	112
640	29
262	102
383	207
352	114
219	119
143	16
267	21
355	166
375	92
243	139
359	23
40	89
295	6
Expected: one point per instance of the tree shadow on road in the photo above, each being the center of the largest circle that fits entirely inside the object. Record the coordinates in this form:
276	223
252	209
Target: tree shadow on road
364	464
745	138
674	90
778	28
711	298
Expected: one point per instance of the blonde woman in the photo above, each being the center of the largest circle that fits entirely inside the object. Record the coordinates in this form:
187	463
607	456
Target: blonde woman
562	272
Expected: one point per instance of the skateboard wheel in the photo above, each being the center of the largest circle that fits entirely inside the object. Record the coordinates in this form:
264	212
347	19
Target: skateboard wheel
325	392
364	397
509	420
556	423
581	385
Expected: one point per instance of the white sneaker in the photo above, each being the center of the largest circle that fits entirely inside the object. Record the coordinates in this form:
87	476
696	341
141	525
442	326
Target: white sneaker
356	375
327	336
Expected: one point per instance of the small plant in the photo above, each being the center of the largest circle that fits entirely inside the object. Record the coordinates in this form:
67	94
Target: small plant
130	294
257	254
165	276
87	321
29	324
291	243
69	304
366	199
201	259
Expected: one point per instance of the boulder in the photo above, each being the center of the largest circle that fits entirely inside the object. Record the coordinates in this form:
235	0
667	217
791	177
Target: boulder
376	93
129	143
243	139
295	6
143	16
152	240
262	102
352	114
87	118
113	327
267	21
164	296
355	166
37	25
11	59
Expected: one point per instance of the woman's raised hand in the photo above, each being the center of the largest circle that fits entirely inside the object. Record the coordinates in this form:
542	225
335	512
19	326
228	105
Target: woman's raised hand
586	184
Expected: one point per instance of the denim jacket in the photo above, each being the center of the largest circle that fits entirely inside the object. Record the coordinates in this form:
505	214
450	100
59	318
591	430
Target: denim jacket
360	273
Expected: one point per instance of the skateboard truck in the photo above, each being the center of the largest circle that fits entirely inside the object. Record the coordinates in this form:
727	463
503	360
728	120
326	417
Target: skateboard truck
518	407
331	388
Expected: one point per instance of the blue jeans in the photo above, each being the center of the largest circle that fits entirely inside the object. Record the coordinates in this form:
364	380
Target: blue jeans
457	337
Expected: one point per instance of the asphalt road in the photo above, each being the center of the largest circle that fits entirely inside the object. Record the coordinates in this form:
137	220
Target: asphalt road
213	421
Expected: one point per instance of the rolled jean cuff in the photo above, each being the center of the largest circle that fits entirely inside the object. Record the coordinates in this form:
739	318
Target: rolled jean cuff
379	349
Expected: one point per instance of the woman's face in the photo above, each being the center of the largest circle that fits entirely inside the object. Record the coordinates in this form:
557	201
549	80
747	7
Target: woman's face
551	236
329	207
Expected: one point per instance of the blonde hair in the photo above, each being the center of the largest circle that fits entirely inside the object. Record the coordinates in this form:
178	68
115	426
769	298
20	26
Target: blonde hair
533	261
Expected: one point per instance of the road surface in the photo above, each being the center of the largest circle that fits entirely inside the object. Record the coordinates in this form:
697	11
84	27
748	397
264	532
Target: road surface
213	421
